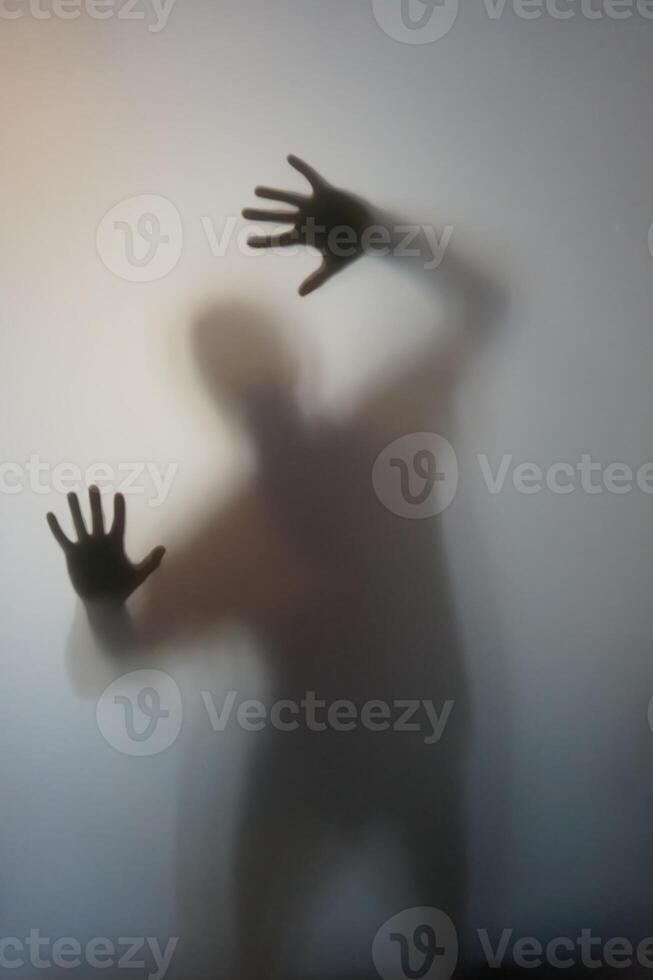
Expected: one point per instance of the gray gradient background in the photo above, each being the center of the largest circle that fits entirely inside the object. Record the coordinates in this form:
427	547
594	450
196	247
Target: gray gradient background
532	138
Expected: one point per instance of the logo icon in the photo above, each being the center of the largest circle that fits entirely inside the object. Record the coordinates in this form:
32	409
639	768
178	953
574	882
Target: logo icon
416	477
141	239
416	944
140	713
416	21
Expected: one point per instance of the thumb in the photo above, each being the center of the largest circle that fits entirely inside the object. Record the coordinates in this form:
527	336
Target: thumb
149	564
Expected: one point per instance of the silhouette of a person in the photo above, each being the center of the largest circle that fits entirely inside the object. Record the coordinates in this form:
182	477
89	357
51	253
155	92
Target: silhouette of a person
351	602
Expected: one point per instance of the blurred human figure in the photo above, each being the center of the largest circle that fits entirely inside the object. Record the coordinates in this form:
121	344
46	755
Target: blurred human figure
351	603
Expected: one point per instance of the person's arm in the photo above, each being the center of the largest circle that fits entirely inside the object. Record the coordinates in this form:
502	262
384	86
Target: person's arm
100	571
344	227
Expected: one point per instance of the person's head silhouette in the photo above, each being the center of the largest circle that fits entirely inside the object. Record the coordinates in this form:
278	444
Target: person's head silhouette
243	355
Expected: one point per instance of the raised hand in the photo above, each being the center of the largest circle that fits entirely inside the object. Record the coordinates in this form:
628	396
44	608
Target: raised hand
331	220
97	564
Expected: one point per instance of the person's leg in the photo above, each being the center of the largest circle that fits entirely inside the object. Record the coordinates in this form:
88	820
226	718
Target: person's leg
278	846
